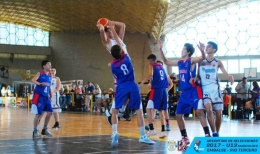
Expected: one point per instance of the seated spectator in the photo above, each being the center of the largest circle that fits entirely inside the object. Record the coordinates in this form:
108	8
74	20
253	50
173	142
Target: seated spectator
226	99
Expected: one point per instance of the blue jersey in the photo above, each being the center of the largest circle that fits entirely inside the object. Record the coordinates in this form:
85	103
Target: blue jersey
159	79
122	69
45	80
186	74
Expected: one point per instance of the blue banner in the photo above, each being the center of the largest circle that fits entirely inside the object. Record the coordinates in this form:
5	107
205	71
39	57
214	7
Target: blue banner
224	145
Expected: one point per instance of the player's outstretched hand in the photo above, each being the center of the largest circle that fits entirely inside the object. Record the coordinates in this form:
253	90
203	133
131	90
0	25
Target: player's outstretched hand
140	84
111	24
201	46
159	44
193	80
231	79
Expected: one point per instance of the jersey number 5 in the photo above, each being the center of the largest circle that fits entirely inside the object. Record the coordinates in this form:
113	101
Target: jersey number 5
124	69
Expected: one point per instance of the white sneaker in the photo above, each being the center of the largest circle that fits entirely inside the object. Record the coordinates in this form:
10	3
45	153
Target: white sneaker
36	134
162	134
145	139
47	133
151	133
115	136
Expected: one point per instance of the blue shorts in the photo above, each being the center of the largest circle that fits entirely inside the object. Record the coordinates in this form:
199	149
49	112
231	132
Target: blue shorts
158	99
189	99
128	90
43	103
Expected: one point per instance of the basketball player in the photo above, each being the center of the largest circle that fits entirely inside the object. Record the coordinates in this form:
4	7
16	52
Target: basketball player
123	71
166	114
41	99
159	93
55	87
190	94
108	40
208	73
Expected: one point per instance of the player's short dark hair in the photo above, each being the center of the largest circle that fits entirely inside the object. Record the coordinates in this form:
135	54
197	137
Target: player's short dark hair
116	51
152	56
158	61
189	48
44	62
214	45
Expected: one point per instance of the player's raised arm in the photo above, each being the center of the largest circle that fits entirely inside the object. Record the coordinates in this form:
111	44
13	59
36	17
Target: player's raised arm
222	68
148	76
201	46
118	40
102	34
170	82
121	26
165	60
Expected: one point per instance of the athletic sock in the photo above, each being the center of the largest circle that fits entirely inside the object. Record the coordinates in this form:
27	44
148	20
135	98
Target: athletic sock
114	127
34	129
122	108
151	126
163	128
167	121
183	133
45	126
142	130
206	130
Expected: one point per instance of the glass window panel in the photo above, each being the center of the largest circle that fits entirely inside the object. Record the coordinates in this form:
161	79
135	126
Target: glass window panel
175	70
224	62
22	35
233	66
255	64
235	29
244	63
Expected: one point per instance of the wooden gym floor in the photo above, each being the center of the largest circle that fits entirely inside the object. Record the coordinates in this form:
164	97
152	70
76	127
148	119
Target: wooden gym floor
90	133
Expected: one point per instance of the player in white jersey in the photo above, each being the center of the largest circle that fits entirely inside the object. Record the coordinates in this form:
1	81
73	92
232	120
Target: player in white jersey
108	41
208	73
55	87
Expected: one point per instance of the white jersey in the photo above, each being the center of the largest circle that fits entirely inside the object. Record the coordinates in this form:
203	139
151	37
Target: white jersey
113	42
54	85
208	71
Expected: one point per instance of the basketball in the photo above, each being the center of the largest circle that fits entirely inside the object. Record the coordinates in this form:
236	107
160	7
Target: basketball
103	21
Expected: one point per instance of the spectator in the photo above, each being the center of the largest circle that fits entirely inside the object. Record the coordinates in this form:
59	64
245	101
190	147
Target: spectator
3	92
226	99
68	96
62	97
8	90
89	93
228	89
73	88
97	94
242	89
255	95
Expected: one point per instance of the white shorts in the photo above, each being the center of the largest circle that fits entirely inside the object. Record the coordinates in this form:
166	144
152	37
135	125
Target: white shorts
212	94
55	104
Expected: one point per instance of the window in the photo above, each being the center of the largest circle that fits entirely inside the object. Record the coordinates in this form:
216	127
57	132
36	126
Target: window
233	66
244	63
22	35
255	63
234	28
175	70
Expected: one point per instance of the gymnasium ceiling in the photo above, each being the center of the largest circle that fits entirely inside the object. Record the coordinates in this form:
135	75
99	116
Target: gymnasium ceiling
155	17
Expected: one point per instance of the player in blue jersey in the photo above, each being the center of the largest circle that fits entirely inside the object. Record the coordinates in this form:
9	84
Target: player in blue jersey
123	71
158	95
108	40
42	98
190	97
